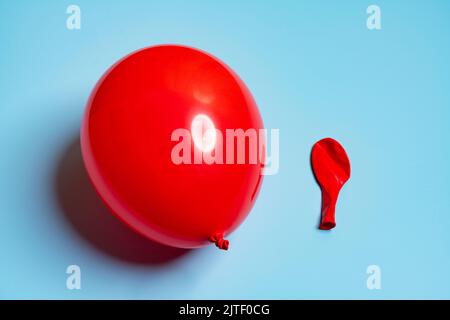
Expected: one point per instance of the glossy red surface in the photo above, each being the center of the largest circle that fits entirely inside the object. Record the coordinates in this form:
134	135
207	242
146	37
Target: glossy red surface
331	167
126	145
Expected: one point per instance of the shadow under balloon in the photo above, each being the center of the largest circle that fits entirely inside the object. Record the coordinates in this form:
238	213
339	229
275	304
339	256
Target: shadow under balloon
88	215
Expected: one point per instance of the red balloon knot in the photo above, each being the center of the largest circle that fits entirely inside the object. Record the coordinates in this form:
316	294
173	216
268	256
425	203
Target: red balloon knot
220	242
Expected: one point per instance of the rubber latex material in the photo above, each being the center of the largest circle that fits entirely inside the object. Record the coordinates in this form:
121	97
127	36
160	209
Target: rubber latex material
331	168
126	145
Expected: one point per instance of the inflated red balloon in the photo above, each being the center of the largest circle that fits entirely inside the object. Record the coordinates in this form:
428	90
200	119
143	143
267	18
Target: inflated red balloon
127	145
331	167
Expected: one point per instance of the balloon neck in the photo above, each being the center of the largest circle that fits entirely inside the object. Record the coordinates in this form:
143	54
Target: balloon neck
329	200
220	242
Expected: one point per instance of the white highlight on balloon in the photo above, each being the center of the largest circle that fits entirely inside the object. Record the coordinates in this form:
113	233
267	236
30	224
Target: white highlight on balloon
203	133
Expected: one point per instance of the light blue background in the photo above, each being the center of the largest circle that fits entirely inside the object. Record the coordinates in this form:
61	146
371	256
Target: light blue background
315	71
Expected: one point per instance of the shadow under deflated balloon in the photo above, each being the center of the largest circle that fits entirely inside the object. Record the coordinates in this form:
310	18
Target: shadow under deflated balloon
89	216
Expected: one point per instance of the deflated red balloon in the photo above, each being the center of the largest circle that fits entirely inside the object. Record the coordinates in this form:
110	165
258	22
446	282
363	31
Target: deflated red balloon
129	133
331	168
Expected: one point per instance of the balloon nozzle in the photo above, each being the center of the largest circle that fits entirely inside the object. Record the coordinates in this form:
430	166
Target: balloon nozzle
220	242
